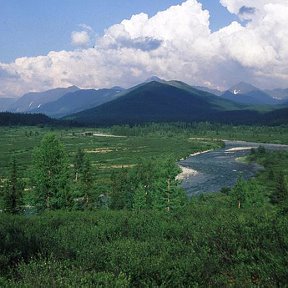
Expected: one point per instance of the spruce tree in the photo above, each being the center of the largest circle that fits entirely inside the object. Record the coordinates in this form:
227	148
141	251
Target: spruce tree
78	163
239	193
51	175
13	191
168	195
86	180
140	199
280	193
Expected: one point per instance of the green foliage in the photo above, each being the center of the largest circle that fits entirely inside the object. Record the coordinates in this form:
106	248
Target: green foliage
151	185
84	184
55	273
78	163
13	191
203	245
51	175
247	194
280	193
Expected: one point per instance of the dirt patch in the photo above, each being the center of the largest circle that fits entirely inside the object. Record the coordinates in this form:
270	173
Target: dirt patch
99	150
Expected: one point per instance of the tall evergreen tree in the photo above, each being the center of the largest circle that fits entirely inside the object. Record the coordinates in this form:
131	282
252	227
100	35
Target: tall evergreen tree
121	194
51	175
280	193
78	163
87	183
13	191
140	199
239	193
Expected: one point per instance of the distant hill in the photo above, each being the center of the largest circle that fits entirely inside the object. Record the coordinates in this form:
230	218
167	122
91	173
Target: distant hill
5	103
280	94
9	118
77	101
212	91
246	93
276	117
33	100
157	102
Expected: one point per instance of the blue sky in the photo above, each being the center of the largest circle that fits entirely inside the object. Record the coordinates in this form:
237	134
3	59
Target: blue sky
45	44
35	27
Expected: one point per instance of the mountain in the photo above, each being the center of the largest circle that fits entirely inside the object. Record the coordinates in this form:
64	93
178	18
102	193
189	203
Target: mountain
280	94
33	100
77	101
212	91
5	103
154	78
248	94
157	102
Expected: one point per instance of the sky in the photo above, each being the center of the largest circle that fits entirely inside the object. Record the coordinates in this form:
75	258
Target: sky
104	43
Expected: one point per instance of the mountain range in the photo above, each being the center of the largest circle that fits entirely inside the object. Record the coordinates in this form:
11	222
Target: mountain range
176	101
155	100
34	100
78	101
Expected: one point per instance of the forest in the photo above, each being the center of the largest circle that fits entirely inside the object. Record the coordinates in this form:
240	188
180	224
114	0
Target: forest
80	208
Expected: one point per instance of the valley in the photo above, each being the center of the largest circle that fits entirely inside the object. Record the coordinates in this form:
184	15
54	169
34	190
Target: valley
144	144
136	219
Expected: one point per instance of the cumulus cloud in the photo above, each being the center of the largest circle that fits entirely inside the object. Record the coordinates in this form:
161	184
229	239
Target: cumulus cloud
80	38
173	44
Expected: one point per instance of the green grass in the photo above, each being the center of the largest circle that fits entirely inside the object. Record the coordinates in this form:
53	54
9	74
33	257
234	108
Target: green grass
105	153
208	243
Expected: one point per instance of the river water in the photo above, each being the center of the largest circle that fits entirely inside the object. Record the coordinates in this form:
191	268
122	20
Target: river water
220	168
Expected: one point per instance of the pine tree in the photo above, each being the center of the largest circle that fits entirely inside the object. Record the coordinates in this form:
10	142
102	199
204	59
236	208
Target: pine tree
168	195
51	175
140	199
78	163
13	191
239	193
121	195
86	180
280	193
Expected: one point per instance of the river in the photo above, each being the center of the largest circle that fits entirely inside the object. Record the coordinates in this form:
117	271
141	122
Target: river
220	168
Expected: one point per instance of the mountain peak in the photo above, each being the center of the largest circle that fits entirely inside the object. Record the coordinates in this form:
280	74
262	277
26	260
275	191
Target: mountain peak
243	88
154	78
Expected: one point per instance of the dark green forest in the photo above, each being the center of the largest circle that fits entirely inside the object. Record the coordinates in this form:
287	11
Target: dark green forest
84	210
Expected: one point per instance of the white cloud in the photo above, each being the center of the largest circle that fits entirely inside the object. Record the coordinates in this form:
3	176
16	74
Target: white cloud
80	38
174	44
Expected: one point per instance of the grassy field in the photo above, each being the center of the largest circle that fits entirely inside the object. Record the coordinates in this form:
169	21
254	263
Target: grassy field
105	153
110	153
207	242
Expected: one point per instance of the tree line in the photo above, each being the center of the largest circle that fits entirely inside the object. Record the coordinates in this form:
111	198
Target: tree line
57	184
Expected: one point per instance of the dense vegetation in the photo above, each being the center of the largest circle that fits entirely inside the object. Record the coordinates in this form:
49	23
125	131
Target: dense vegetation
29	119
132	226
7	118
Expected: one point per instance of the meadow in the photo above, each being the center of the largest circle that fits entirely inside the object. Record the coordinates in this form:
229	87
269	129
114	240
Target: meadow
105	153
234	238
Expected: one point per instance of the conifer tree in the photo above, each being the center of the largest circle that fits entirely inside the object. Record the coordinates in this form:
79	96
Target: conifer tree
78	163
87	182
51	175
140	199
239	193
13	191
168	195
280	193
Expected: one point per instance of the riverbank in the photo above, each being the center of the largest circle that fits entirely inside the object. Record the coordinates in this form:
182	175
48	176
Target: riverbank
186	173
